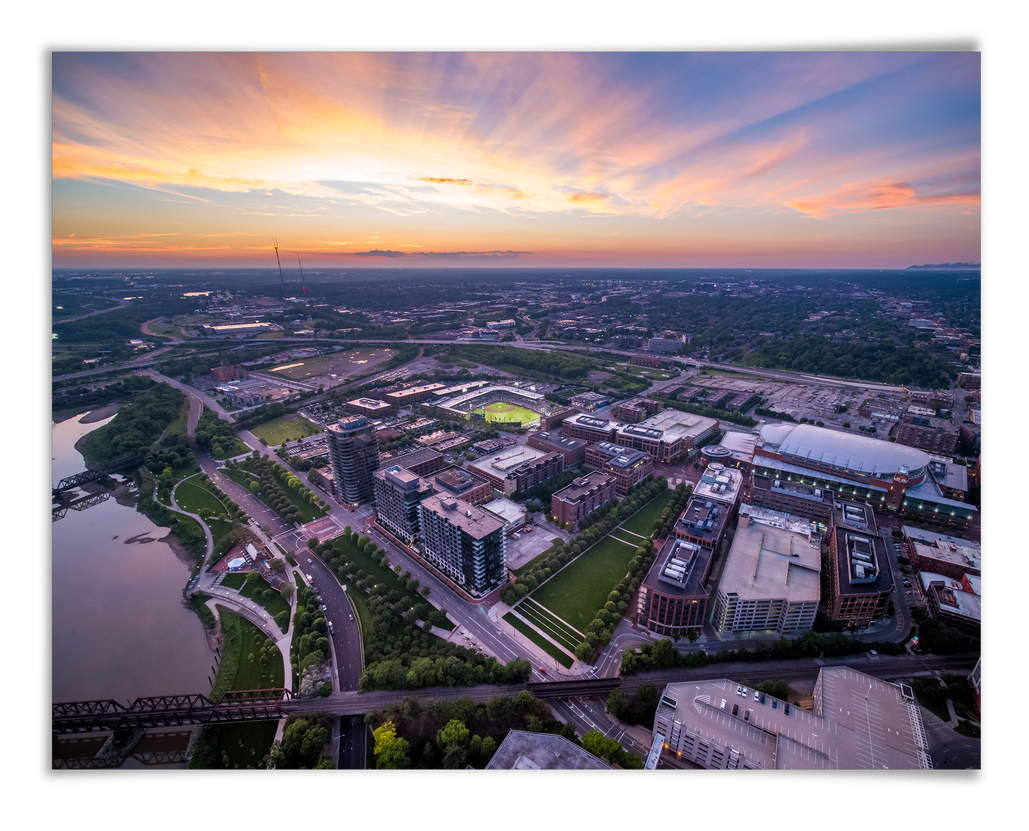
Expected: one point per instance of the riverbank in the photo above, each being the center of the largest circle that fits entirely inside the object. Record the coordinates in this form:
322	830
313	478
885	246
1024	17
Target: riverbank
91	417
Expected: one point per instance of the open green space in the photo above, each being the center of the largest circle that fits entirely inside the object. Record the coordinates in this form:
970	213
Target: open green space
72	305
229	448
364	615
264	595
557	629
509	413
219	528
254	663
643	521
626	537
283	429
193	498
181	423
549	647
582	587
235	580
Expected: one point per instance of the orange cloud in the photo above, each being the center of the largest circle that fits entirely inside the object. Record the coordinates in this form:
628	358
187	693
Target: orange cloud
441	180
857	197
588	197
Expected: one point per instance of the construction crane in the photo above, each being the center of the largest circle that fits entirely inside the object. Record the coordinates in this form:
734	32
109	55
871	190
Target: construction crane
275	244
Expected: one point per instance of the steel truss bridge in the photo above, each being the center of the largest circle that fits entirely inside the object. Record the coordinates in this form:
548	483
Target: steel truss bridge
70	482
170	711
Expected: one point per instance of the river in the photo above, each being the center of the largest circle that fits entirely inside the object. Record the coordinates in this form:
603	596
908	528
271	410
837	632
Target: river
119	627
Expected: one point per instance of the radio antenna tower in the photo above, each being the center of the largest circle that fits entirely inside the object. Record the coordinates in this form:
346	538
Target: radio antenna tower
275	244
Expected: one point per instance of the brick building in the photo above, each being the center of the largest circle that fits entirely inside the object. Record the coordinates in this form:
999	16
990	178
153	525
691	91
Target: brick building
673	595
572	450
571	505
860	584
628	467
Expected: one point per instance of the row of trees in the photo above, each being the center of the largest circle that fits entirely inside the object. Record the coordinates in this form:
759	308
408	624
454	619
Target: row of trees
399	654
603	625
610	750
271	479
663	654
562	553
672	511
310	644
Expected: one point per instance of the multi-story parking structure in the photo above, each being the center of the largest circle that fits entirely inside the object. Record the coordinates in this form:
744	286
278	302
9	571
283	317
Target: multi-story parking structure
354	457
859	722
466	543
771	579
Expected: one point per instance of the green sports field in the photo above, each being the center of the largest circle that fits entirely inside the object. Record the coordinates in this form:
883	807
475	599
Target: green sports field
499	411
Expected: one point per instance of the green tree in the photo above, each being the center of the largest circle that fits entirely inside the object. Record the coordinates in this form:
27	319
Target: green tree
455	733
489	747
390	750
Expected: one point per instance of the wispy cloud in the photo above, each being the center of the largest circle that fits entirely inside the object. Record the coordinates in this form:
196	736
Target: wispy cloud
475	150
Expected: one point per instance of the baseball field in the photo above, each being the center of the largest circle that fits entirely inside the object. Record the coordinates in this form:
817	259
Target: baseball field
507	413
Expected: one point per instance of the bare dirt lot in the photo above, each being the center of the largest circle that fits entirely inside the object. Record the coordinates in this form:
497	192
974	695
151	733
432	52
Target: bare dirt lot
341	364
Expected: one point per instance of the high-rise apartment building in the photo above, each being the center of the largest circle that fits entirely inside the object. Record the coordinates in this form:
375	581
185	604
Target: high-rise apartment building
464	542
397	494
354	456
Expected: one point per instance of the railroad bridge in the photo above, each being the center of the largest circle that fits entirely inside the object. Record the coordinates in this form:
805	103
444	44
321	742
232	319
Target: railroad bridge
170	710
93	474
264	705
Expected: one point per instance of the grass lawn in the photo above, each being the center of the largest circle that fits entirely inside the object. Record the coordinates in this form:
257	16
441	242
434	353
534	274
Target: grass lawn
219	528
545	621
193	498
643	521
266	597
244	745
234	581
283	429
251	675
547	646
626	537
581	588
363	613
180	425
509	413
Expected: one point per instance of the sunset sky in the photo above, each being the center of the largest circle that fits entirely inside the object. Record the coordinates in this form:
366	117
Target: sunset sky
531	159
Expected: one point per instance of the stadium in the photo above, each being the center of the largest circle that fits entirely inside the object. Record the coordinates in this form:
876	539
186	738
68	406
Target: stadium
500	403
